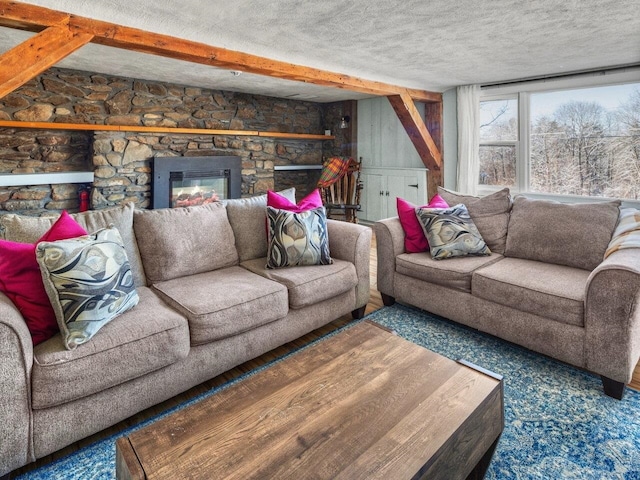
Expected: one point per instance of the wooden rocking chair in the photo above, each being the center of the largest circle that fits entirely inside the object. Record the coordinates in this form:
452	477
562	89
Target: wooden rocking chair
342	197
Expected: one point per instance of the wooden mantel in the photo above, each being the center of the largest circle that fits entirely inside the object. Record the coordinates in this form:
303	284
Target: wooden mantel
171	130
59	34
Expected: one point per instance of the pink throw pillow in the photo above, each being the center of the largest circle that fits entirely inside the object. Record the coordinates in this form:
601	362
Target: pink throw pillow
21	281
414	239
311	201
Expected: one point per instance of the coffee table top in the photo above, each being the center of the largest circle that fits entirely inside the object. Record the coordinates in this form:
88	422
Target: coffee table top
363	403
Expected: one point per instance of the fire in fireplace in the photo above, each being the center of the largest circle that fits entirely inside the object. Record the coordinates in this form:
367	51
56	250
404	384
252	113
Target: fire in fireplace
189	181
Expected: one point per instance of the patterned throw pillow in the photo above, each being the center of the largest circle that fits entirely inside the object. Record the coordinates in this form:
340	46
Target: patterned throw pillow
89	282
451	232
490	214
297	238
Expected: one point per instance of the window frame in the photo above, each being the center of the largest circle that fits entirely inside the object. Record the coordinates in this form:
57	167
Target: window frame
522	91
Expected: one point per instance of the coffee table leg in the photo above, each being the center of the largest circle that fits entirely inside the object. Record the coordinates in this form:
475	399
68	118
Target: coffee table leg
481	467
127	465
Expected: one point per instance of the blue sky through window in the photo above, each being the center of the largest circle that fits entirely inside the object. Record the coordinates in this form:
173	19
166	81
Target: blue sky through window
610	97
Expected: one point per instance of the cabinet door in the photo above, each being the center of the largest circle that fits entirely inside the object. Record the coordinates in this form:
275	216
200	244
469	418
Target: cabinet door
372	198
382	186
404	186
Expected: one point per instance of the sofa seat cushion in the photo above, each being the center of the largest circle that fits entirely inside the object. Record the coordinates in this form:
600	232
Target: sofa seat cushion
224	302
141	340
452	272
309	284
545	289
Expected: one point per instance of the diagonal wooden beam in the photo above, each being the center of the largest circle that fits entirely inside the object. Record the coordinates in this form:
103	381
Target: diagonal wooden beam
417	130
35	55
30	17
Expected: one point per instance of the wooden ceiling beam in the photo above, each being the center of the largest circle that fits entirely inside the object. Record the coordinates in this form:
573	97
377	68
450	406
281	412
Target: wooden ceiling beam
415	127
37	54
30	17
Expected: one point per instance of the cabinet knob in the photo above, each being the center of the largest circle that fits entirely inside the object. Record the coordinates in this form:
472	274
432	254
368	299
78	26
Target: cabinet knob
381	193
387	193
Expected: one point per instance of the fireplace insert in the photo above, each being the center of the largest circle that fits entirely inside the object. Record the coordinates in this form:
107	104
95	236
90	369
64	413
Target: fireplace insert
190	181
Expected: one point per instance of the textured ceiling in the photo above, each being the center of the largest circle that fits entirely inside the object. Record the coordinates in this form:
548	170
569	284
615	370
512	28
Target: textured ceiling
429	45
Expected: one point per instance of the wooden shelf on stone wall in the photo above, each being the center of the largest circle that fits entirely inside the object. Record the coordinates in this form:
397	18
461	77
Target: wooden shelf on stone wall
170	130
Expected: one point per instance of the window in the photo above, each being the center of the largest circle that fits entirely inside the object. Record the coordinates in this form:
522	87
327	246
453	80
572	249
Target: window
580	141
498	142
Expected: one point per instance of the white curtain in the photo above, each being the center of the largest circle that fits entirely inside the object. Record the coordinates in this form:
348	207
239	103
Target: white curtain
468	138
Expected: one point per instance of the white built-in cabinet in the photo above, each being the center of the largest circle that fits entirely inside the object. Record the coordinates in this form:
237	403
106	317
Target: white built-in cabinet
391	166
381	186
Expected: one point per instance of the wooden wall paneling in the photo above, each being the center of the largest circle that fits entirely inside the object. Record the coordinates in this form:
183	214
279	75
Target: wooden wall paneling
351	108
382	140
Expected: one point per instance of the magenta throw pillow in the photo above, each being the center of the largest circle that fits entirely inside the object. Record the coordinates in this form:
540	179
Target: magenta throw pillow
311	201
21	281
414	239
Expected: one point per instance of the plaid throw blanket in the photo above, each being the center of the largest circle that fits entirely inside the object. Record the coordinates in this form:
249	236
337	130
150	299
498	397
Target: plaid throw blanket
333	169
627	233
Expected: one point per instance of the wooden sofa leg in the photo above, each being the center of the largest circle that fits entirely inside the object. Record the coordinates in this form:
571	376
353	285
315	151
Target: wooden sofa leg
612	388
388	300
358	313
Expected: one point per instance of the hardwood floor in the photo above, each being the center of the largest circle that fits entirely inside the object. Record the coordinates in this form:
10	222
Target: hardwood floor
375	303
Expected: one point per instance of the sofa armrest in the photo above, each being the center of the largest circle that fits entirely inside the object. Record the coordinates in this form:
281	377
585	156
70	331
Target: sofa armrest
351	242
389	244
16	360
612	316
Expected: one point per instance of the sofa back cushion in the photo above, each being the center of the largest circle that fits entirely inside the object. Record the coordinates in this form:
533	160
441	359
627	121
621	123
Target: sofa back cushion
575	235
248	218
20	228
176	242
490	214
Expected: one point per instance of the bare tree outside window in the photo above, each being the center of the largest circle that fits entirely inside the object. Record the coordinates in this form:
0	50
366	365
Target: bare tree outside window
583	147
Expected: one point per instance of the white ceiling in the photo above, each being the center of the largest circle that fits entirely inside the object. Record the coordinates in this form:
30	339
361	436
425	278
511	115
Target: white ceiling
425	44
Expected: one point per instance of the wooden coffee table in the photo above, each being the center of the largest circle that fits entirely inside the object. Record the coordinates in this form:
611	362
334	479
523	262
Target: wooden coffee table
362	404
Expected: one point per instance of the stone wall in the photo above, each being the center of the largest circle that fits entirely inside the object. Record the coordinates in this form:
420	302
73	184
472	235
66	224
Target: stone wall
38	151
121	161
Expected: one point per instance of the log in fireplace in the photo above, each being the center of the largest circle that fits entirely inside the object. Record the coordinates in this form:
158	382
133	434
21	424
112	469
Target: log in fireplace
189	181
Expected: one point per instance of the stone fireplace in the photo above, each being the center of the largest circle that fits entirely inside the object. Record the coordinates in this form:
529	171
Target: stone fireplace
121	161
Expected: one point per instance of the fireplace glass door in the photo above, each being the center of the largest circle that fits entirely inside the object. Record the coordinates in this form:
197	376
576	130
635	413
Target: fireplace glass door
188	189
191	181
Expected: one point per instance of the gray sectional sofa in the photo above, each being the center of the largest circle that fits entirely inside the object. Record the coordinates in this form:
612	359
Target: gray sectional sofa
545	286
207	303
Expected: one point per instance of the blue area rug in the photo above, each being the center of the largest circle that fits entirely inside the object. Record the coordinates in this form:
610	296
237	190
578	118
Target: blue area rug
558	422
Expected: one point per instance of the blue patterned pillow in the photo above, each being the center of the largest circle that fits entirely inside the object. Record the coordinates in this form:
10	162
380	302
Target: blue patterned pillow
451	232
297	238
89	282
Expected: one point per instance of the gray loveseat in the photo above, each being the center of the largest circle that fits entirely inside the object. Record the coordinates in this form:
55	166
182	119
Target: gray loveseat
207	304
546	285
